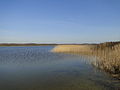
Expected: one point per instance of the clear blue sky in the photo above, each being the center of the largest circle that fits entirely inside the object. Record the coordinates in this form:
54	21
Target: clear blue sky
59	21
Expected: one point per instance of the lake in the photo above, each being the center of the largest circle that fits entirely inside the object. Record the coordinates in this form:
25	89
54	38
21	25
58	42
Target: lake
36	68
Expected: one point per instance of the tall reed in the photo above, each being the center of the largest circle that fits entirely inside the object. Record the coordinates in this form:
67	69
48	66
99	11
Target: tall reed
108	57
107	54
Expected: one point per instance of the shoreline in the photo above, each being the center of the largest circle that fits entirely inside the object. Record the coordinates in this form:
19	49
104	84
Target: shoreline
108	55
27	44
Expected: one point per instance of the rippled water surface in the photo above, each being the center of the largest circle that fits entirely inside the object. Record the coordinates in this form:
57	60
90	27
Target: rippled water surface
36	68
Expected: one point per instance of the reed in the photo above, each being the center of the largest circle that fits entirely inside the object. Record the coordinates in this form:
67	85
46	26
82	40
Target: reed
107	55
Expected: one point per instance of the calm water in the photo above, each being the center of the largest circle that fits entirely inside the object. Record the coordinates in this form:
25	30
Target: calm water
36	68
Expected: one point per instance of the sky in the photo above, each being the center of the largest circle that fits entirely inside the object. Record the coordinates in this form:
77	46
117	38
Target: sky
59	21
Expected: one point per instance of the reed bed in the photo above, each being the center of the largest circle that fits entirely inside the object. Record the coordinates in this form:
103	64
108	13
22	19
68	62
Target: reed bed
107	55
108	58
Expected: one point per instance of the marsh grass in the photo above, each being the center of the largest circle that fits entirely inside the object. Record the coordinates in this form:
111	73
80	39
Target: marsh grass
107	55
108	58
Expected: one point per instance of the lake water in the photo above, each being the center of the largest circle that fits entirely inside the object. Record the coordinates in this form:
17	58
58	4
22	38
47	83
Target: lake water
36	68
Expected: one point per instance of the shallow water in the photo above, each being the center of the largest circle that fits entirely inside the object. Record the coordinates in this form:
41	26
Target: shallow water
36	68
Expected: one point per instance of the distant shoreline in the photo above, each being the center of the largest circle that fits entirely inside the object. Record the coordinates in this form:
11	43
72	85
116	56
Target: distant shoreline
29	44
51	44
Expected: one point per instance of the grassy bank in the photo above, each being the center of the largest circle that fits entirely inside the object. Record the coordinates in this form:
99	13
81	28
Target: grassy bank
107	55
80	49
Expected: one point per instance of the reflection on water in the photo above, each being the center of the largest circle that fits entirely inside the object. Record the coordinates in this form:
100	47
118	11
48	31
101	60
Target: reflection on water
35	68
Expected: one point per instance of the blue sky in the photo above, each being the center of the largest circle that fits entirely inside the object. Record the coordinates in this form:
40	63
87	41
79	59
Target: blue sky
59	21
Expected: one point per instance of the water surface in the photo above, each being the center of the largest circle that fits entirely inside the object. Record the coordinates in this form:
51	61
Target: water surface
36	68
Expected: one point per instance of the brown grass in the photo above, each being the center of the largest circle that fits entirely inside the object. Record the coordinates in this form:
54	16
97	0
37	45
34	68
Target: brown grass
108	55
108	58
73	49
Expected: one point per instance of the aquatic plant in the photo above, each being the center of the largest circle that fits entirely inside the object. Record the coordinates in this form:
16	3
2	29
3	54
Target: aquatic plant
107	55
